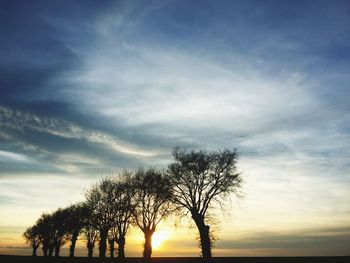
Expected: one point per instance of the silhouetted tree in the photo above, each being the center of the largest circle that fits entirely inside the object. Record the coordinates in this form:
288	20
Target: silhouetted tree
111	241
60	237
152	195
200	179
45	229
33	238
90	234
125	209
100	202
74	222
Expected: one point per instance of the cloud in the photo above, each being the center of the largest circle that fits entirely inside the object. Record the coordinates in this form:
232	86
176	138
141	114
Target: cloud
177	97
18	120
307	242
10	156
100	87
192	92
58	146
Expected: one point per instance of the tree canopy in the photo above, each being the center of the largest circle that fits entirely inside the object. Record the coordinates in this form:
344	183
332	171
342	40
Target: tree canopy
201	179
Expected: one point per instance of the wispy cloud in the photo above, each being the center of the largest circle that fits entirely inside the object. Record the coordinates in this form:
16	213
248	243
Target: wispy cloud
10	156
101	87
20	121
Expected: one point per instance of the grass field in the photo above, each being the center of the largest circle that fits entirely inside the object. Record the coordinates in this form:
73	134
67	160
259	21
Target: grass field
26	259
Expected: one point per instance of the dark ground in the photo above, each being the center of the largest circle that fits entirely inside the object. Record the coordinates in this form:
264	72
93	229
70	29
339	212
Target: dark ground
27	259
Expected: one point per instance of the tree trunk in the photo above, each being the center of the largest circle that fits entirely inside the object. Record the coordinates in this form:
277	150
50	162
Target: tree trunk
34	250
72	245
147	251
203	234
121	245
102	245
51	250
90	248
111	247
44	248
57	249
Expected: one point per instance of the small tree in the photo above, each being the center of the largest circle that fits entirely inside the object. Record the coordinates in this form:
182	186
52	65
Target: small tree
33	238
100	202
45	229
200	179
90	234
59	224
153	196
125	209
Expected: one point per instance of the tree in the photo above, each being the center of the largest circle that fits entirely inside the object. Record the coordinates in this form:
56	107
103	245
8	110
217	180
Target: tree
90	234
153	196
52	231
200	179
125	209
45	226
74	222
111	241
59	229
33	238
100	202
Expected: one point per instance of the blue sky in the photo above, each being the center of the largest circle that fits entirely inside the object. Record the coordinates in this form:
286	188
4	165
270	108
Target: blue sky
88	88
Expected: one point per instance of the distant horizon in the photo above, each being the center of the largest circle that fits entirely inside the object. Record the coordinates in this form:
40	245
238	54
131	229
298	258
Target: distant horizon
90	88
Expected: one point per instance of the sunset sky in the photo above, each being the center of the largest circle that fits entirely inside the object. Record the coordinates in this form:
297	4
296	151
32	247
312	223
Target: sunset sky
88	88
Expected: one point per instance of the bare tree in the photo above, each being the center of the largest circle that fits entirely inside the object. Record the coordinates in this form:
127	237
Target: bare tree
74	223
153	196
90	234
200	179
59	229
33	238
100	202
125	209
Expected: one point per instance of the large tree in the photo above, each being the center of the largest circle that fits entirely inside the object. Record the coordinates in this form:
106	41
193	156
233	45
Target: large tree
199	180
101	204
153	196
33	238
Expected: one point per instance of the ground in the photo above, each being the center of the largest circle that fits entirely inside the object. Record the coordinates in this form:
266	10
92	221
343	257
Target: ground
27	259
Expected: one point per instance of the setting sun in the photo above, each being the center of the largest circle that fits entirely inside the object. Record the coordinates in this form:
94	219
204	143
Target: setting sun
158	238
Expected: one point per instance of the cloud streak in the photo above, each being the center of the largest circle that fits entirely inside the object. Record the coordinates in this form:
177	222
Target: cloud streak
20	121
307	242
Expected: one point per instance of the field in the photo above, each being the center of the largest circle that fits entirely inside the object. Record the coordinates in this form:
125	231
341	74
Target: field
27	259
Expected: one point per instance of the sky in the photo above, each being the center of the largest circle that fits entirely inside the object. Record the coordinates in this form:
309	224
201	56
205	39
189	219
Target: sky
88	88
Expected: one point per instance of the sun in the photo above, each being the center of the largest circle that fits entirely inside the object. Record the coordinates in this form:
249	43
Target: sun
158	238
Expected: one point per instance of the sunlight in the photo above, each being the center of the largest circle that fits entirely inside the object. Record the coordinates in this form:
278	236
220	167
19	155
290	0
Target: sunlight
158	238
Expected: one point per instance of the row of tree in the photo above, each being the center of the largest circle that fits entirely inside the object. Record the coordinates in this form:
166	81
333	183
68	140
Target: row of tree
192	184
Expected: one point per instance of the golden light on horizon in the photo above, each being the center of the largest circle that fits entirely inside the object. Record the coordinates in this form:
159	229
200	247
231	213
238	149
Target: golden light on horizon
158	238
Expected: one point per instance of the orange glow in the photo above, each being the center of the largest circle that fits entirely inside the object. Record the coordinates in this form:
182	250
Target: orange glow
158	238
